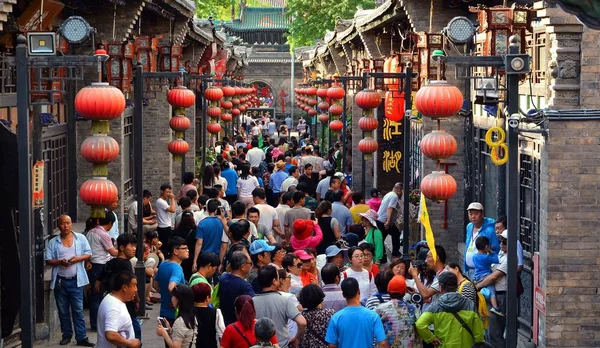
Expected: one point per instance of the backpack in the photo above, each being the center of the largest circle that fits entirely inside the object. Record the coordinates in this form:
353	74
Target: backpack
481	304
214	297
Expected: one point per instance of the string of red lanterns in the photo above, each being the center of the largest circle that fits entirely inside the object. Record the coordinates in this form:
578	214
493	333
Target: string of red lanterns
213	95
99	103
368	100
335	94
180	98
438	100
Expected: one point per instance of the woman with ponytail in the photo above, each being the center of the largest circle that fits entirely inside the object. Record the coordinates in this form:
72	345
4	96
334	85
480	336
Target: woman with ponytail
241	333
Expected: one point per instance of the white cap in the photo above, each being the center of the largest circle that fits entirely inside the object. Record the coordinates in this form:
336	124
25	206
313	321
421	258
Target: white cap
504	234
475	206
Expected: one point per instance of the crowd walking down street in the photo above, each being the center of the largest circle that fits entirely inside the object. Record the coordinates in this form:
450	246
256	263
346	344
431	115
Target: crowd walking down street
295	259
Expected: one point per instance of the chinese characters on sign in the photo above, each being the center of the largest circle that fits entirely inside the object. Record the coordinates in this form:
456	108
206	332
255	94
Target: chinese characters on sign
259	113
391	151
38	185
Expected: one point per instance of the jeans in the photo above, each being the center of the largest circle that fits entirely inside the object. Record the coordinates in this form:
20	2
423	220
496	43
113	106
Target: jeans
137	327
68	295
498	323
95	298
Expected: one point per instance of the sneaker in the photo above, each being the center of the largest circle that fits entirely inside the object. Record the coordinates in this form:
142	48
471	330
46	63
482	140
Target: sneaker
85	343
65	341
496	311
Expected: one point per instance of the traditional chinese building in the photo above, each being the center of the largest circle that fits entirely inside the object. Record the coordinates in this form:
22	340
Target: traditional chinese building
270	62
163	36
558	153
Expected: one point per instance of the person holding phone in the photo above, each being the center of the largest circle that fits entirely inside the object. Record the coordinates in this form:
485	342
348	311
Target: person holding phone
183	332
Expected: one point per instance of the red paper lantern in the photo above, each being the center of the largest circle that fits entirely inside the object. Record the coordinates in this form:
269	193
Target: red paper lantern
100	101
179	123
312	102
228	91
336	92
235	101
324	118
367	99
312	112
336	125
213	128
323	106
439	99
98	193
226	117
226	104
243	100
235	112
394	106
213	111
368	145
368	124
322	92
306	108
181	97
238	90
178	148
213	93
438	186
438	145
99	149
336	109
242	108
311	91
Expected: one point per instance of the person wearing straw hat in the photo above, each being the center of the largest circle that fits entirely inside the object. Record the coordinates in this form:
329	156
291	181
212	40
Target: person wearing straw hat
372	234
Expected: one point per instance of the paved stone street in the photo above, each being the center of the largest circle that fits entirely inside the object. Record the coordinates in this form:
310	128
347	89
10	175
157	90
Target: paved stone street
149	337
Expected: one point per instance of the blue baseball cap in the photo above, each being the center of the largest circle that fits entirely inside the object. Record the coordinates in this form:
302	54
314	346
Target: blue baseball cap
260	246
333	250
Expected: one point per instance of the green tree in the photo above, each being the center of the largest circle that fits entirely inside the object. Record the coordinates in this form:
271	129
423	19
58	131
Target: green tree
221	9
311	18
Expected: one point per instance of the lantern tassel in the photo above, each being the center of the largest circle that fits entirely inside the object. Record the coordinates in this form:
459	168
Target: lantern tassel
97	212
100	127
100	169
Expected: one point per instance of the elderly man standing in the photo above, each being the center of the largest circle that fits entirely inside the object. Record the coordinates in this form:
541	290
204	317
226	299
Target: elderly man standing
387	214
478	227
66	254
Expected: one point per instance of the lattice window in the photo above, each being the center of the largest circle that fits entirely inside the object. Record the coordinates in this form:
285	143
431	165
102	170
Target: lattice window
55	156
530	201
129	166
536	48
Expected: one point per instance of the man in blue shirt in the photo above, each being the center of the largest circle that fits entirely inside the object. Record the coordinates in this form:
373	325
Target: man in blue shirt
479	226
209	233
234	284
66	254
355	325
231	176
169	275
340	211
276	181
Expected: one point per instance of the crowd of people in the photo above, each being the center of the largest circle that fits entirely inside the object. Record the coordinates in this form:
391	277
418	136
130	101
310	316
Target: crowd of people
271	247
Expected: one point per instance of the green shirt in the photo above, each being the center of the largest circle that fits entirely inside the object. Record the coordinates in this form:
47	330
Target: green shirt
376	238
198	278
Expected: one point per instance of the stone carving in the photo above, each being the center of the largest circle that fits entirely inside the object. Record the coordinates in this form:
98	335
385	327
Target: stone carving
569	69
553	67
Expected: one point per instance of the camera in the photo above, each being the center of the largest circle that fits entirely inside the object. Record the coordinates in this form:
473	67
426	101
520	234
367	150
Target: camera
513	120
416	298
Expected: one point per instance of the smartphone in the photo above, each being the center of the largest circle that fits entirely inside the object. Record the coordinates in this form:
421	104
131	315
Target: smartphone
312	215
163	322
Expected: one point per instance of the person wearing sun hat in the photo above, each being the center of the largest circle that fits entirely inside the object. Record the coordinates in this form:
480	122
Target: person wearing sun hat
277	180
479	226
302	234
305	275
372	234
399	317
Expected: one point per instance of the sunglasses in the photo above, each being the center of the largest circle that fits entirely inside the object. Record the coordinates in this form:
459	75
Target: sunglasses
299	265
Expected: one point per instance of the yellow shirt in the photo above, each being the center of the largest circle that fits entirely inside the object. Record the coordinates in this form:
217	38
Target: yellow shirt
358	209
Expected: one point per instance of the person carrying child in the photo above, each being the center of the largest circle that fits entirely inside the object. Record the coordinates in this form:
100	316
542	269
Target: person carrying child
483	260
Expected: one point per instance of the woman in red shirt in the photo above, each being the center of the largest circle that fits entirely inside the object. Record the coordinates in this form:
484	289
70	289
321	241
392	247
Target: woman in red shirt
241	333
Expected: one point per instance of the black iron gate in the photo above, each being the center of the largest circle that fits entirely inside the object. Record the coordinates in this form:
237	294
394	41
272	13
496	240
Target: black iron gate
55	157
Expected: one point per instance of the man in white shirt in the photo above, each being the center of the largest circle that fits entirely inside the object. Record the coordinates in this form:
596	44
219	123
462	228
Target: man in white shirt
291	180
114	322
164	211
286	204
268	214
255	155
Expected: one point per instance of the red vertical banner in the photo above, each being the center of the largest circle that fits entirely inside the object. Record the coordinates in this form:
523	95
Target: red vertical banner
37	185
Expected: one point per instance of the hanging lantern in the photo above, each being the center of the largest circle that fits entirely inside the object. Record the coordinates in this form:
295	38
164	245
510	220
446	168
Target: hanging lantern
368	146
228	91
235	112
181	97
98	193
100	103
242	108
438	186
312	102
213	93
394	106
99	150
336	125
324	118
226	117
213	128
336	92
178	148
306	108
179	124
323	106
322	92
213	111
226	104
368	99
439	100
312	112
336	109
438	145
368	124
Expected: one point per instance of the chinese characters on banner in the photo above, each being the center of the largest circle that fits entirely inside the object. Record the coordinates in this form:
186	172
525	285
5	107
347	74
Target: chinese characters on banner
261	113
37	179
391	151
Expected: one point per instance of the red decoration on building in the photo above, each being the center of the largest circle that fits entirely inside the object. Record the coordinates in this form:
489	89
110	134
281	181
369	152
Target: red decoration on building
438	186
394	106
213	93
336	92
368	124
368	99
336	125
181	97
324	118
213	128
336	109
180	123
100	102
368	146
323	106
99	150
438	145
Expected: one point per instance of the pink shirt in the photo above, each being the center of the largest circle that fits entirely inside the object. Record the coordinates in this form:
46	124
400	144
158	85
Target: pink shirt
310	242
374	203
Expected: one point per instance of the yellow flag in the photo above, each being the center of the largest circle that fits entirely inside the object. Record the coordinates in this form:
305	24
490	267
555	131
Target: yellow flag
424	219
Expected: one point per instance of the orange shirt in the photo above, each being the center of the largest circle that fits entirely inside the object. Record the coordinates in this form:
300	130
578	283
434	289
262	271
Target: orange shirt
308	278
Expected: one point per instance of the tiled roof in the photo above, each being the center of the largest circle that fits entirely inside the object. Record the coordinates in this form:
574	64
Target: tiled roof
260	18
